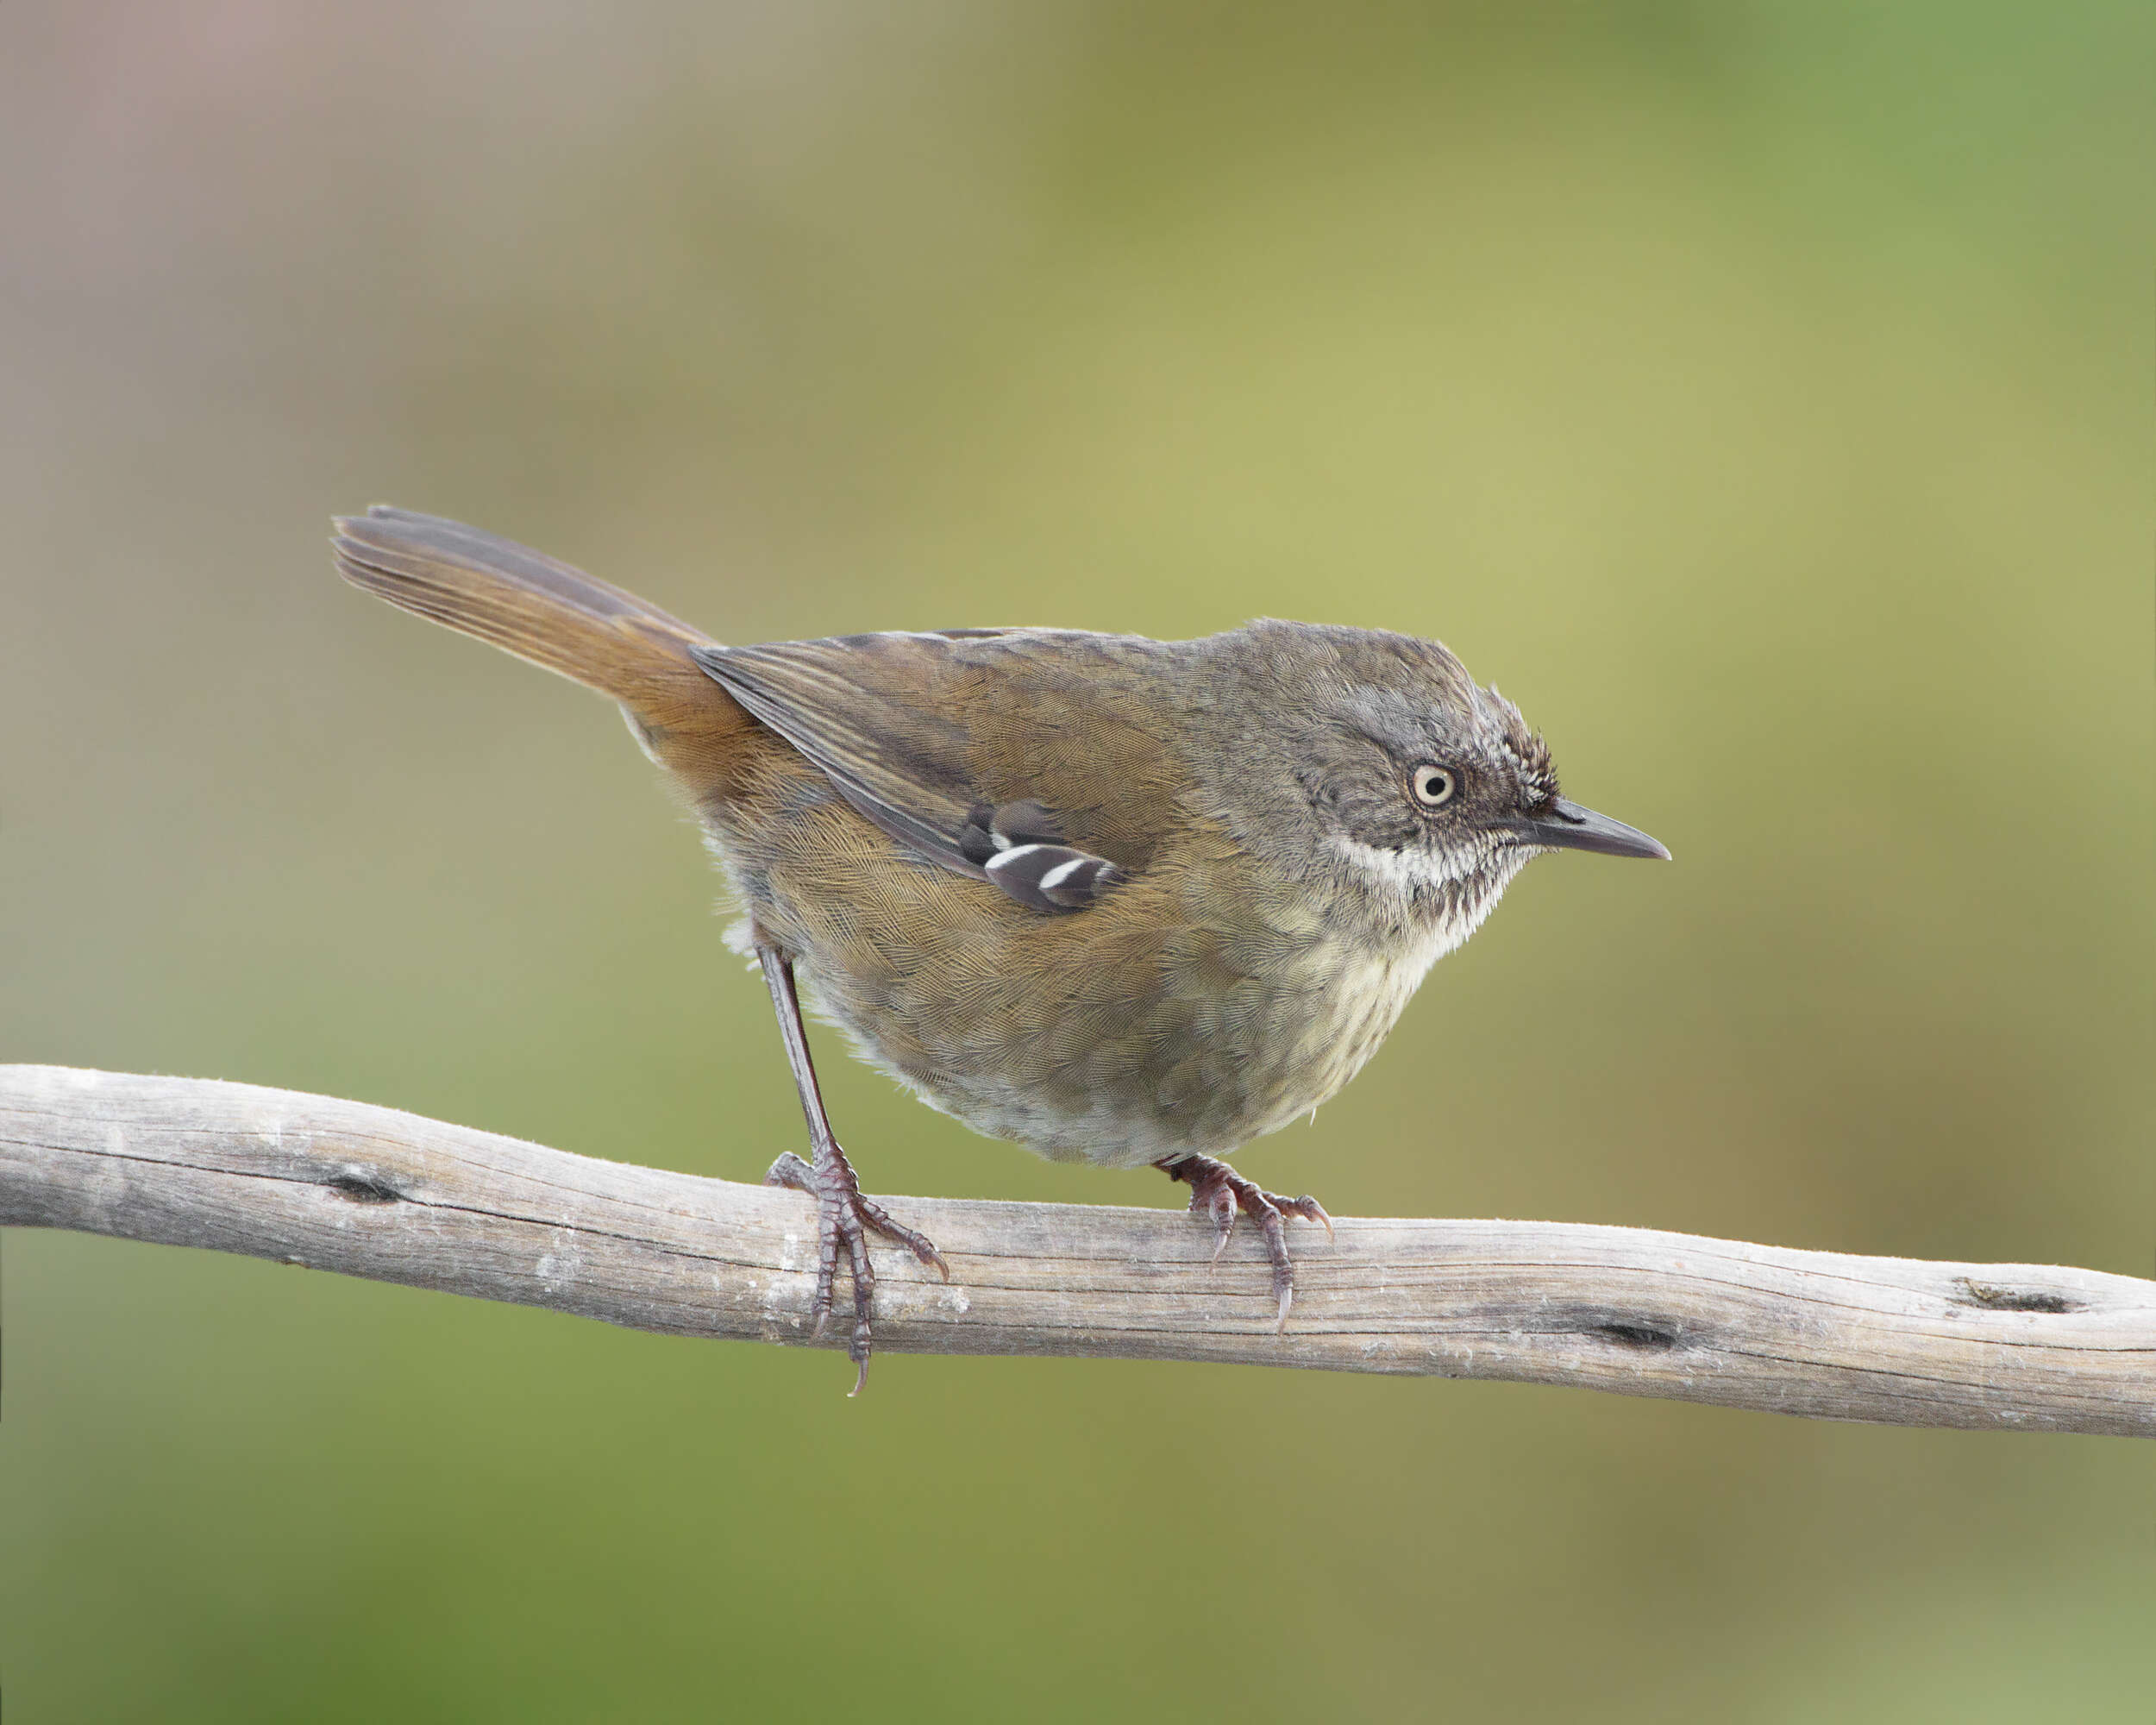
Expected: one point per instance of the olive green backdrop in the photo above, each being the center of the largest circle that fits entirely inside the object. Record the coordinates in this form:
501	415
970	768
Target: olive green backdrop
1760	393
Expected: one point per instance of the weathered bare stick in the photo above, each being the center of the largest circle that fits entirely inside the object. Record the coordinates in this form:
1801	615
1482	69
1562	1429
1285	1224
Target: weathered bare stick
372	1192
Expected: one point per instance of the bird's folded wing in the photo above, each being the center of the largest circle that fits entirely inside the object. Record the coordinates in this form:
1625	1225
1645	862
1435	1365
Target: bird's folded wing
904	767
965	747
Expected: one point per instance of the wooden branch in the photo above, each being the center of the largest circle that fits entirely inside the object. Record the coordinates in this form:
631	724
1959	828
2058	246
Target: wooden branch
369	1191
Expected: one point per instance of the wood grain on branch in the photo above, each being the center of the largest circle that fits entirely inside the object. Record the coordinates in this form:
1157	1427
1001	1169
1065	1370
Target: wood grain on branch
372	1192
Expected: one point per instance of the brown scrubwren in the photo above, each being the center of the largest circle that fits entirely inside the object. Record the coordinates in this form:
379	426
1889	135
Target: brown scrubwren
1124	901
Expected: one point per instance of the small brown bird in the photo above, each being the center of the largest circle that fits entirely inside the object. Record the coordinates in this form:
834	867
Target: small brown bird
1125	901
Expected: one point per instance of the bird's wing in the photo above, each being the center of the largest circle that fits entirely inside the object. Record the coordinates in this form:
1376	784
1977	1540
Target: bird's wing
1007	755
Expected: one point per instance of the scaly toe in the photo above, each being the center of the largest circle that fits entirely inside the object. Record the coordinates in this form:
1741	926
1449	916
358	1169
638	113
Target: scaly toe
1223	1221
1310	1210
876	1217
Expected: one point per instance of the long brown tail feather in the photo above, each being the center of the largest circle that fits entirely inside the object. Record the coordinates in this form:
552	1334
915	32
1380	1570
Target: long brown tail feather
557	616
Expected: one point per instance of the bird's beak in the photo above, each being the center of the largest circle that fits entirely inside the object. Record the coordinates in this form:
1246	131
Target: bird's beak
1570	827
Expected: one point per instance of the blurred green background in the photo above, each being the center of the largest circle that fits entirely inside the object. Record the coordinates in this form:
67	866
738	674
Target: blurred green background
1759	392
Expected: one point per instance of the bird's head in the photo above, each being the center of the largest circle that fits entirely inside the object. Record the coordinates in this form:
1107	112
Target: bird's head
1397	774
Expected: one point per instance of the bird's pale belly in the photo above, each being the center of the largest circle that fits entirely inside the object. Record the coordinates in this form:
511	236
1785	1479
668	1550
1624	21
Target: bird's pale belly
1196	1068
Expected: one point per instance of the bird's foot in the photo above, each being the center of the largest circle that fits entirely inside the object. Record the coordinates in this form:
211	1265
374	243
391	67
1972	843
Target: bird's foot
1219	1191
844	1220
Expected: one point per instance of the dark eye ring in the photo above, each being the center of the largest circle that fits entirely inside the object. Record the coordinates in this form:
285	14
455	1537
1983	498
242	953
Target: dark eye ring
1434	786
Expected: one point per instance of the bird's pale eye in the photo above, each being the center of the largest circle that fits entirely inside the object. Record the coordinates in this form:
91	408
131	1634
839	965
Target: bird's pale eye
1434	786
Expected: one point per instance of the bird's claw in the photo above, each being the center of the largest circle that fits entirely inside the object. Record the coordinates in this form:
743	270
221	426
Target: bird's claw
1218	1191
844	1220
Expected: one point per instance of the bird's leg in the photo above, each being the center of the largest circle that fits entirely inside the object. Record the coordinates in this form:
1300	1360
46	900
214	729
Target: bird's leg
1219	1191
843	1218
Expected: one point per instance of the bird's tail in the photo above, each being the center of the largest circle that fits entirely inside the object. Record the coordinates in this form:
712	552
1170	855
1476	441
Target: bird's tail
557	616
